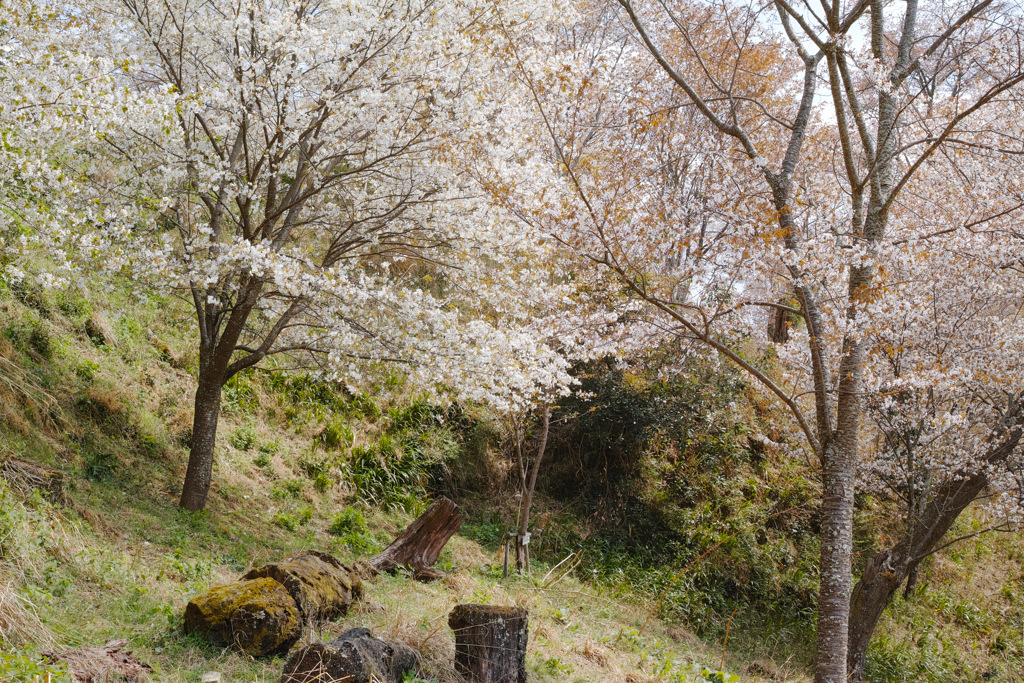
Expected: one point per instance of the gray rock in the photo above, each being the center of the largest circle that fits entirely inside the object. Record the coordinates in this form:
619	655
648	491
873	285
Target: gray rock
356	656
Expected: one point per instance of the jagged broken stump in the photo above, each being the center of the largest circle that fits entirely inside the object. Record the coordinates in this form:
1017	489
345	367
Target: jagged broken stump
490	643
356	656
419	546
264	613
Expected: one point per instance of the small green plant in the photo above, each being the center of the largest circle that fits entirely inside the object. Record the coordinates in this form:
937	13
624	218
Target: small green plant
27	666
555	666
100	466
86	371
411	677
266	453
243	438
719	676
286	521
72	304
351	528
31	334
348	521
289	488
335	435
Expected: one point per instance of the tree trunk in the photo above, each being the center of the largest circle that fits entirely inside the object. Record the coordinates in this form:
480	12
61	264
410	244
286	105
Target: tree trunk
490	643
838	477
836	546
873	593
886	571
204	436
419	546
523	537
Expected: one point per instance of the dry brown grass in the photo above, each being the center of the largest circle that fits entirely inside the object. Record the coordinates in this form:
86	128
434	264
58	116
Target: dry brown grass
20	624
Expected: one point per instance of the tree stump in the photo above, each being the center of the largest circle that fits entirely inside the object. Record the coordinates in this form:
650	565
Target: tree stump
490	643
419	546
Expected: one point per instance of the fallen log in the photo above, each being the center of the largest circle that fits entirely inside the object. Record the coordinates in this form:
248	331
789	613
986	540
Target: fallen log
419	546
258	616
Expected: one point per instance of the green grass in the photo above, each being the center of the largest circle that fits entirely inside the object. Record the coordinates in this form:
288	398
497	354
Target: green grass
301	463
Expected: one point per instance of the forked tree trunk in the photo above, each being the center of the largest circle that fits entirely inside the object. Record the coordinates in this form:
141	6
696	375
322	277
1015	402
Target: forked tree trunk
523	535
888	569
204	435
419	546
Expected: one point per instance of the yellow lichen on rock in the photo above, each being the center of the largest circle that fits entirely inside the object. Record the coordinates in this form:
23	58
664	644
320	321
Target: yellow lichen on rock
321	586
259	616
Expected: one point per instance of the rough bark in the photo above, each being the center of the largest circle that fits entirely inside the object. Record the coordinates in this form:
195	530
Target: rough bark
490	643
356	656
199	474
884	572
419	546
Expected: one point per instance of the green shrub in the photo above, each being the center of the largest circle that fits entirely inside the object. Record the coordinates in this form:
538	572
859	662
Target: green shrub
289	488
86	371
348	521
72	304
31	334
238	397
243	438
336	434
101	466
350	527
27	666
286	521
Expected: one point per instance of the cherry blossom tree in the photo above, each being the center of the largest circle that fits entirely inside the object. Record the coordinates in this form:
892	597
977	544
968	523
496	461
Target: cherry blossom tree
822	147
944	381
46	86
287	169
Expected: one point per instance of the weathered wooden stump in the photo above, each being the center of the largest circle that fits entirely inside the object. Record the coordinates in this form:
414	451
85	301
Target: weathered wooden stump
419	546
356	656
490	643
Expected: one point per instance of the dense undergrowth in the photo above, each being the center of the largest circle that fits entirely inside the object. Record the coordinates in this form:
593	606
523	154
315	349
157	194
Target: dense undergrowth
671	492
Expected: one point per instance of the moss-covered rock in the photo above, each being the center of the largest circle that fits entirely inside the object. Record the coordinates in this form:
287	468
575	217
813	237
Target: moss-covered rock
321	586
259	616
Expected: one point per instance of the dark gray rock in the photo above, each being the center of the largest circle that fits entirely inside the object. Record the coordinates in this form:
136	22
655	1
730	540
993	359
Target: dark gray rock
356	656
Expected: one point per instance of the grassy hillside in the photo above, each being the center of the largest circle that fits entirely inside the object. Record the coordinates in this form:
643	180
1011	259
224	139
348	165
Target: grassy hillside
102	394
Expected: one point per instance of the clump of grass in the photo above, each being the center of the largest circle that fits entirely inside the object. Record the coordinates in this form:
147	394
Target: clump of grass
351	528
289	488
243	438
20	625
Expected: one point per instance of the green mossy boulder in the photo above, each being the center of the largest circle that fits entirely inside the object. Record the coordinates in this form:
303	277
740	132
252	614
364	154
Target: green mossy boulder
321	586
258	616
